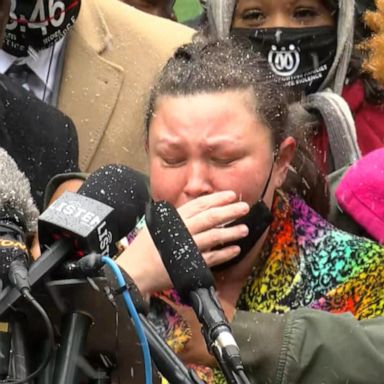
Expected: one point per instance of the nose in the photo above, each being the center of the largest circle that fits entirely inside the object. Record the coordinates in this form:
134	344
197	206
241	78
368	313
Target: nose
198	181
279	19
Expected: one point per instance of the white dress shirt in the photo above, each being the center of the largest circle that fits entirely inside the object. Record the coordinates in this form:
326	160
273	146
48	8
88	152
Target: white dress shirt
41	67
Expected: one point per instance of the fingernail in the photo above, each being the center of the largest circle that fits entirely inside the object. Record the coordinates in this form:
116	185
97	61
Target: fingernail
236	250
243	206
244	230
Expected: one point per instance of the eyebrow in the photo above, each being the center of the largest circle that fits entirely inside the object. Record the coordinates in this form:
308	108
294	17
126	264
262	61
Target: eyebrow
211	145
169	141
220	140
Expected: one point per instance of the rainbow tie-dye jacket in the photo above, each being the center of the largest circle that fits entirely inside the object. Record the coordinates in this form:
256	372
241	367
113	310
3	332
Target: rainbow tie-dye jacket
305	262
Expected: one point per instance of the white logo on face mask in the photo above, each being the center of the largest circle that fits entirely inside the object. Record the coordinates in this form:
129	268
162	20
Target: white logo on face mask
284	62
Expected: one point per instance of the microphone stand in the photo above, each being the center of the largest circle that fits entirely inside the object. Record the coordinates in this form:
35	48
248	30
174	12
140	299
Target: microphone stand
20	358
168	364
166	361
75	330
230	376
217	335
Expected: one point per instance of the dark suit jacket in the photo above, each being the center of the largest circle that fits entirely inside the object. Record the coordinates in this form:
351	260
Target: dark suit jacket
41	139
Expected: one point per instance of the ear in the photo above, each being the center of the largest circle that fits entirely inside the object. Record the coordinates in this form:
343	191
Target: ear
283	160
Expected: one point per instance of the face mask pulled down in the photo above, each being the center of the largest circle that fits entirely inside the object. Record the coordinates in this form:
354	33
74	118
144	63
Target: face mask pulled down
37	25
299	57
258	219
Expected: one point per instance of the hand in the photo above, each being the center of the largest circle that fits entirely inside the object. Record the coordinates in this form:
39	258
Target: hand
204	217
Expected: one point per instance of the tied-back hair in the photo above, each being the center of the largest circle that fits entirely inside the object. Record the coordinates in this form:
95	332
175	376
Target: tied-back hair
373	90
210	65
304	177
374	46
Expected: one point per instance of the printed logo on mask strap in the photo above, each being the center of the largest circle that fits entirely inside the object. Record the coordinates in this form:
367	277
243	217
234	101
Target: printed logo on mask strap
283	61
35	25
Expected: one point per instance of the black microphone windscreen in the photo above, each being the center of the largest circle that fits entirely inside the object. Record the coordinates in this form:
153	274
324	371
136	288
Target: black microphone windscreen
123	189
179	252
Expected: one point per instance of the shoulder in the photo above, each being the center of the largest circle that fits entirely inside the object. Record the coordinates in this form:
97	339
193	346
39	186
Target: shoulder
29	117
122	19
321	240
10	91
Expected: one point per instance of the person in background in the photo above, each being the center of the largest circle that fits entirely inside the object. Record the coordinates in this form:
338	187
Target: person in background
359	193
41	139
95	60
374	63
220	141
309	46
161	8
200	21
296	346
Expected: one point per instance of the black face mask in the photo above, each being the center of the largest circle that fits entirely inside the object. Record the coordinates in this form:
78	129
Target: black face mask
37	24
300	57
258	219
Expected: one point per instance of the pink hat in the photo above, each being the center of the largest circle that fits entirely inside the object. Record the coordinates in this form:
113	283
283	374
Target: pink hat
360	193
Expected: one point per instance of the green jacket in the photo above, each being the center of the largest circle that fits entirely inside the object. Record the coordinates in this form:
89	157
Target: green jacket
309	346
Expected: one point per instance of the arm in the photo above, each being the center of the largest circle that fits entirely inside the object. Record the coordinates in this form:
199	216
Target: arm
302	346
204	217
308	346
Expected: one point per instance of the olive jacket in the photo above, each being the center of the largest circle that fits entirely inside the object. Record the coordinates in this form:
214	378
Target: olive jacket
309	346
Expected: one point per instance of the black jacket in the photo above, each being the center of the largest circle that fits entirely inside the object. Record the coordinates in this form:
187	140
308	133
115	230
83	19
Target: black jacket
41	139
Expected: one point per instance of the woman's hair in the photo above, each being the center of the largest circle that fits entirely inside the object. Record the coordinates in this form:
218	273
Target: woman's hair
206	66
209	66
375	45
374	92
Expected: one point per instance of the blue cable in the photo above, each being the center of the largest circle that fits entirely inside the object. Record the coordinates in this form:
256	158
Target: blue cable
135	317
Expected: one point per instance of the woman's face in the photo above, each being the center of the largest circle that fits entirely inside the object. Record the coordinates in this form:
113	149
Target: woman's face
281	13
211	142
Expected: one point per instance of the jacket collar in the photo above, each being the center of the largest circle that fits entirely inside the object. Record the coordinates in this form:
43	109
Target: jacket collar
92	27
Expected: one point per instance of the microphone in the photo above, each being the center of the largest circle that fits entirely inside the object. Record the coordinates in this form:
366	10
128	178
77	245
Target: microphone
106	207
122	188
18	217
76	224
193	281
126	190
